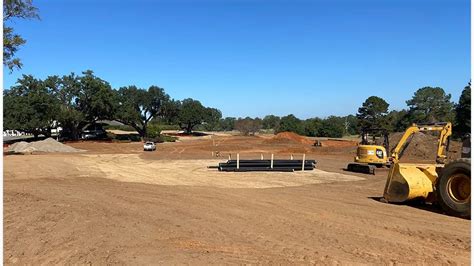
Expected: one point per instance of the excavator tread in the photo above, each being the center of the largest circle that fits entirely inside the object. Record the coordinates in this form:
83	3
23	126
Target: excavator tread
361	168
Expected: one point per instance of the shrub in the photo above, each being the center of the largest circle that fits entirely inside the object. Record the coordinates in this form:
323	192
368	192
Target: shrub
123	137
248	126
162	138
120	127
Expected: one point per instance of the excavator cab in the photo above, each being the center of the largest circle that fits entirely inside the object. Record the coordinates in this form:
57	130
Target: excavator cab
448	184
371	151
373	147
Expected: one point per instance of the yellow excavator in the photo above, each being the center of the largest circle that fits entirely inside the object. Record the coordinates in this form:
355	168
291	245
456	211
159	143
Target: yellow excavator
448	184
371	151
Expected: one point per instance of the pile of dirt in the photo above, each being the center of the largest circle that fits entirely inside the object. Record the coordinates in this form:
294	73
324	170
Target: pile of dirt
423	146
47	145
289	137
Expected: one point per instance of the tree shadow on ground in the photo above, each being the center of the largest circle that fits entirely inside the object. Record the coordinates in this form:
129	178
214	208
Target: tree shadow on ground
192	134
418	204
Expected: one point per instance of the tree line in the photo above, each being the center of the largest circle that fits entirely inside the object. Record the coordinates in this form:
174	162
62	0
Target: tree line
427	105
332	126
73	101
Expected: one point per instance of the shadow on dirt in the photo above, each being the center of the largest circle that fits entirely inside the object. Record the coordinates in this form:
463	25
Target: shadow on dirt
366	171
192	134
418	204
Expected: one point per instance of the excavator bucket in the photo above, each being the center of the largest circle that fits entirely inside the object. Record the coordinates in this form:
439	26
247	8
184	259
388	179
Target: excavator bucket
408	181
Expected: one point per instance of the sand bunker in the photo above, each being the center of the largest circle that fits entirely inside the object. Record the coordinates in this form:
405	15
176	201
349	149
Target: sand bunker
47	145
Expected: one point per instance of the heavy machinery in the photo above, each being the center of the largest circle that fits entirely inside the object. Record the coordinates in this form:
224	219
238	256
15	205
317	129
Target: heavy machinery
448	185
371	151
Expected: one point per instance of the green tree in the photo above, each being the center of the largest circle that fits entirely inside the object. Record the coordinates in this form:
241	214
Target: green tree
137	107
351	125
398	121
463	112
213	116
312	126
170	112
373	113
271	122
30	107
70	117
430	105
191	114
227	124
332	127
96	98
12	9
83	100
291	123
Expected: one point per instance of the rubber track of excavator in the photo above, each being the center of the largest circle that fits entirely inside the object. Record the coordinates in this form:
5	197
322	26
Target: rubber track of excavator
361	168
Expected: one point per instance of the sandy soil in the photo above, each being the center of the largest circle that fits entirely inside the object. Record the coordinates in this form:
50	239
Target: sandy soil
118	204
131	168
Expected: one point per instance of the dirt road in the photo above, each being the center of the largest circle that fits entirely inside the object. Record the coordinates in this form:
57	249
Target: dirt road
59	209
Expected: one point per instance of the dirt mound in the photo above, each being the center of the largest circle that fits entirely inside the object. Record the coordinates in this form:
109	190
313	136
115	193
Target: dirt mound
47	145
423	146
289	137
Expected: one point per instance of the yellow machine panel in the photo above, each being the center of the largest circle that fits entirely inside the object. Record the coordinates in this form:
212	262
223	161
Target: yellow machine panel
447	184
371	154
408	181
371	151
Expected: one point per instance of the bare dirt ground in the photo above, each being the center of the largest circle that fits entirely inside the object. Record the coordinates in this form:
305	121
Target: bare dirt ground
118	204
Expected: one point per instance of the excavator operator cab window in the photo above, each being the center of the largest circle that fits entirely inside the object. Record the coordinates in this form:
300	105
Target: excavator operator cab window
379	153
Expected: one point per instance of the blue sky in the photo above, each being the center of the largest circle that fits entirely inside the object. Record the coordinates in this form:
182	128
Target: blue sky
257	57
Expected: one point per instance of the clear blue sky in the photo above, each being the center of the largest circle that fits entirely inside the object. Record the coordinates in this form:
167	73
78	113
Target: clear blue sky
257	57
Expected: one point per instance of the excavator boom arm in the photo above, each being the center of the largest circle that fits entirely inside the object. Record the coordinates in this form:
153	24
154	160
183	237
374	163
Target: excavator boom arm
443	141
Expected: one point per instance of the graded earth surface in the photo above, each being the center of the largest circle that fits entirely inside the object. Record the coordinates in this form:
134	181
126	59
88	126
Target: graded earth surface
115	203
